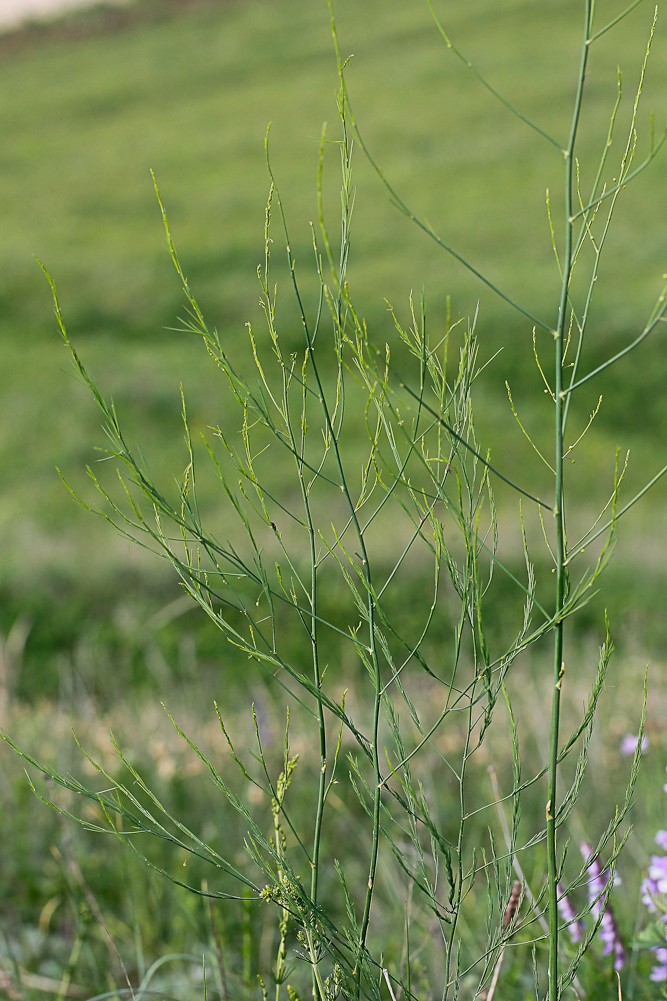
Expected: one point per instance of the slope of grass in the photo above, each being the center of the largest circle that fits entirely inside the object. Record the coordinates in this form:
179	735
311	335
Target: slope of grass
87	112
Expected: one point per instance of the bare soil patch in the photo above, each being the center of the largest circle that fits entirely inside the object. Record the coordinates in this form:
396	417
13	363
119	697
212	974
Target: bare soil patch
95	18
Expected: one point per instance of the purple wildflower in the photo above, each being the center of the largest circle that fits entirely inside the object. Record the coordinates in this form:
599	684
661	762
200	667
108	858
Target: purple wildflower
629	742
659	972
568	913
654	896
598	896
655	884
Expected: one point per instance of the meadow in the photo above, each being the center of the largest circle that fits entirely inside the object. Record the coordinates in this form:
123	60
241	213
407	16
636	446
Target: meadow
96	633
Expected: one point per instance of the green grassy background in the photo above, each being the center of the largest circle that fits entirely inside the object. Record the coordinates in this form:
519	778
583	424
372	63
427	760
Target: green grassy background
86	110
86	113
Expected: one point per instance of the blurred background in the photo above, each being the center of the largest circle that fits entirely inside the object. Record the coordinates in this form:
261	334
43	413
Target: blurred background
92	100
16	13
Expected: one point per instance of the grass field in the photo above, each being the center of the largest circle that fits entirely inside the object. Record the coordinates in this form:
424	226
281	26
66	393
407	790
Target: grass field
192	102
87	109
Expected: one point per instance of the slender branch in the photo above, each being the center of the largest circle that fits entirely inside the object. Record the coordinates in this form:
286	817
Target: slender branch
489	86
473	451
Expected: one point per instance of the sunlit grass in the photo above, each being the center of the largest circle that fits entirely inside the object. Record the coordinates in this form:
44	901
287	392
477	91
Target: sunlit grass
190	97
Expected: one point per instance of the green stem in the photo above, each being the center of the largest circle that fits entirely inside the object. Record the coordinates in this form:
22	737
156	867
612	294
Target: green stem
559	518
337	312
317	677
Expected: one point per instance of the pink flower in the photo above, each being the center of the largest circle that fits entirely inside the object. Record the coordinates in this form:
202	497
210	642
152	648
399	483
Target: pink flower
629	742
574	926
601	908
659	972
654	896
